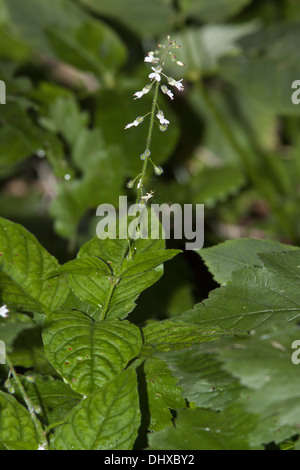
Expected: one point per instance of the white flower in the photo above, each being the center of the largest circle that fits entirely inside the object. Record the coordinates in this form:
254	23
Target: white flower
4	312
138	94
150	58
156	75
148	196
162	120
41	447
166	91
175	83
144	91
136	122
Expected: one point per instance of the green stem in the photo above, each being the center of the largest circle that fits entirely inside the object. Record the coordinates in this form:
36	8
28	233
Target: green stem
30	407
148	143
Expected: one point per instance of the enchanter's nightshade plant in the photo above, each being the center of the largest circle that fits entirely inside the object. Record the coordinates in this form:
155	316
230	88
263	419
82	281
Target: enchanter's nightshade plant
93	395
158	59
87	370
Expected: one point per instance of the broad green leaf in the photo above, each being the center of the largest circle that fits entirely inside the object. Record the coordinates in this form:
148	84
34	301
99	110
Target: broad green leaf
213	185
163	394
83	266
266	81
171	335
255	297
116	296
198	429
64	117
69	33
24	262
201	377
28	138
214	10
51	398
12	48
214	106
97	164
108	419
28	352
87	353
275	41
20	445
145	18
15	421
231	255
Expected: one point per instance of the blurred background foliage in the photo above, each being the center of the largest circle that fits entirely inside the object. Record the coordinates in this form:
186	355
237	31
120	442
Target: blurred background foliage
71	68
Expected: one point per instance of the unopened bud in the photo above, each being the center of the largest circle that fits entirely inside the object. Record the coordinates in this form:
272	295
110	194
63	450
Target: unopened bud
158	170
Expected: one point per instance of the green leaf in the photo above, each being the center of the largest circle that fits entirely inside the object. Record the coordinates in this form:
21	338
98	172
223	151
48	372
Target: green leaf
97	164
163	394
28	139
108	419
51	398
212	185
145	18
20	445
69	33
116	296
269	75
198	429
255	297
83	266
64	117
214	10
172	335
262	362
231	255
24	262
28	352
11	327
142	262
201	377
202	48
15	421
87	353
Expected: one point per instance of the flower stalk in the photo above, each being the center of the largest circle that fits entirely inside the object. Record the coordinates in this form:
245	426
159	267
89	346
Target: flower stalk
157	60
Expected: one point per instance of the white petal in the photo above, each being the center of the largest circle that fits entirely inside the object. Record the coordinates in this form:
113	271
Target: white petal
4	312
138	94
155	76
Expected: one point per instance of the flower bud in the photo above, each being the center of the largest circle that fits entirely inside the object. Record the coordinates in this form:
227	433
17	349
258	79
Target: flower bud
158	170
